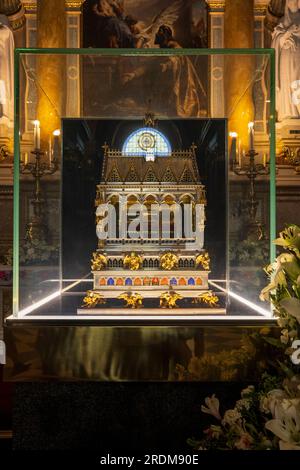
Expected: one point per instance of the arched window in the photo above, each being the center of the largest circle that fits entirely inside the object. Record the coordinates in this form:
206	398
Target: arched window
146	142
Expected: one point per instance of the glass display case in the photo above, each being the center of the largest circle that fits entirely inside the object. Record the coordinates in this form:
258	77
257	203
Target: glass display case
144	185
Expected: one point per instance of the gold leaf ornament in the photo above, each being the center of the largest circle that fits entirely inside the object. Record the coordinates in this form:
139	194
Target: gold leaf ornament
92	299
207	298
132	261
203	260
169	299
132	300
168	261
98	262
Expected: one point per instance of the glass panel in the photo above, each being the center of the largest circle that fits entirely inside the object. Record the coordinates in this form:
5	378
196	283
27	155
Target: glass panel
133	188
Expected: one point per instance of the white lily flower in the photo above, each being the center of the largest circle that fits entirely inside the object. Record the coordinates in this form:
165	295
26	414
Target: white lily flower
277	279
212	407
287	446
269	403
290	264
286	424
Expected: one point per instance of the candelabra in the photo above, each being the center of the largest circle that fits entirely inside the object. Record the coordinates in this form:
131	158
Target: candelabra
36	228
252	170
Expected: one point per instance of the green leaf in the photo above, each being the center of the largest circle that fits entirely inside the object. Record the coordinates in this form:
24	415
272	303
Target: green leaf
286	369
274	342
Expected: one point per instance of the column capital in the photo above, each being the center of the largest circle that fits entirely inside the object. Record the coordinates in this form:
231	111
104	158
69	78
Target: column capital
74	4
31	5
215	5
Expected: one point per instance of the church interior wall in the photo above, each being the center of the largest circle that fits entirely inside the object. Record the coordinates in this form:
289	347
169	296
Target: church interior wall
266	15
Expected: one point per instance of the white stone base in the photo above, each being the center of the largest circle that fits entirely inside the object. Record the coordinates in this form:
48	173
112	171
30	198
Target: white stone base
156	313
148	292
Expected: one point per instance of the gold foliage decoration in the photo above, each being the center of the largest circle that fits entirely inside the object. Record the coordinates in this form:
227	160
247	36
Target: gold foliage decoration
98	261
169	299
92	299
133	300
168	261
203	260
133	261
208	298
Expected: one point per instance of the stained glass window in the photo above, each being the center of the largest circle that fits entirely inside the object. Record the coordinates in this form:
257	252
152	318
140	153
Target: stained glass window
147	142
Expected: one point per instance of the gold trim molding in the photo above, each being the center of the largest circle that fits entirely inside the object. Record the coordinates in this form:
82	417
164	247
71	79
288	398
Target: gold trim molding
74	4
216	5
31	5
260	10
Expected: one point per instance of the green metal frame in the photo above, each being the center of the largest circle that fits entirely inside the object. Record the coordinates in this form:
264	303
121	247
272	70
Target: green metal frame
130	53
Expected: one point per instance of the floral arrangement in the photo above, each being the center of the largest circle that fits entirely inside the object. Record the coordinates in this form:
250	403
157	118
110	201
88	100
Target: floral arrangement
267	416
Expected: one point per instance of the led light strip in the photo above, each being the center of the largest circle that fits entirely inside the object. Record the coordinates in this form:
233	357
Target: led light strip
22	313
239	298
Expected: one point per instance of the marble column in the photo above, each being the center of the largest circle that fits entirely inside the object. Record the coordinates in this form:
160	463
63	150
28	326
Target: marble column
51	32
239	69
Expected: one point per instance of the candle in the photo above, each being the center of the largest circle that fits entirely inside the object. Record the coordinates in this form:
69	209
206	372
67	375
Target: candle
56	135
233	136
50	151
26	158
265	160
251	135
239	153
37	135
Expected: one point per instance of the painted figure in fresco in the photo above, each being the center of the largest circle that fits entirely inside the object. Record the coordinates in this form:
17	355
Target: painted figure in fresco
112	29
189	94
164	38
6	72
286	42
137	27
172	83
